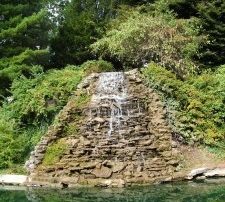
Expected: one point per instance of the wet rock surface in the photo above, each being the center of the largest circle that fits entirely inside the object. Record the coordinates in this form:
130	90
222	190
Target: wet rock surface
121	138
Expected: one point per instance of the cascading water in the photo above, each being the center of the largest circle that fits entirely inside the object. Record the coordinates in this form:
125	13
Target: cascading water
109	97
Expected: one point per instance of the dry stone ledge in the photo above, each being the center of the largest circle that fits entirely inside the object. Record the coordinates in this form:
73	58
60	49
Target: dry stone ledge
122	137
10	179
206	172
217	172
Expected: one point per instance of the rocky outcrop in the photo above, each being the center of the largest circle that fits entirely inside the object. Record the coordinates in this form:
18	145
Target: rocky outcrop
116	139
206	172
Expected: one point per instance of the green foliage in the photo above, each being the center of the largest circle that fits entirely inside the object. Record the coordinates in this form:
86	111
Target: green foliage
150	33
199	116
55	11
33	135
83	98
185	8
84	22
152	36
13	149
218	149
14	169
24	39
12	67
71	129
16	143
11	32
36	101
97	66
76	104
25	28
45	95
54	152
166	82
213	23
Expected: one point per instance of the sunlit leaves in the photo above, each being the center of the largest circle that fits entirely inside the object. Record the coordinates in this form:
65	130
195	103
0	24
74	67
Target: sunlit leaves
39	98
200	112
160	38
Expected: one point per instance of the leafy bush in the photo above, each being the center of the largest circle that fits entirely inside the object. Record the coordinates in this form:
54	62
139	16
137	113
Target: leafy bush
23	64
13	149
152	36
97	66
35	102
38	99
198	103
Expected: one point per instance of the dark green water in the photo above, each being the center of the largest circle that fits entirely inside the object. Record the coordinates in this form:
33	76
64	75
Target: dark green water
176	192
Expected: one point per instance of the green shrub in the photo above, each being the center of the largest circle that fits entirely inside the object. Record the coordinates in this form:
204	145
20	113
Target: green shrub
13	149
72	129
15	142
167	83
97	66
36	101
197	104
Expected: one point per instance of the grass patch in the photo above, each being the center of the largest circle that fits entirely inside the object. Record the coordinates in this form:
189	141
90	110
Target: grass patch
54	152
14	169
218	150
72	129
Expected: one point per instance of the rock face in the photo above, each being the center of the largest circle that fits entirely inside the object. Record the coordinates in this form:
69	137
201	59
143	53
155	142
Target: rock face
206	172
121	137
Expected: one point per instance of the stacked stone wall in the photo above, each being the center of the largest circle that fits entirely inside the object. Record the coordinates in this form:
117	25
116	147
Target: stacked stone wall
137	150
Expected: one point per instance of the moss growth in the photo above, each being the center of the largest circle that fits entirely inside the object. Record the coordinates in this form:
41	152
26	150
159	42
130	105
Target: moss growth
78	105
72	129
82	99
54	152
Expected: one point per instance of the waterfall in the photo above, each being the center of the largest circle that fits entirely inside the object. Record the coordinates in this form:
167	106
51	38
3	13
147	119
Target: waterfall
109	97
113	105
120	136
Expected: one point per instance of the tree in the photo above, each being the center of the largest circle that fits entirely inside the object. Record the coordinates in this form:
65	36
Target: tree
212	15
157	37
184	8
55	11
22	26
84	22
138	2
24	39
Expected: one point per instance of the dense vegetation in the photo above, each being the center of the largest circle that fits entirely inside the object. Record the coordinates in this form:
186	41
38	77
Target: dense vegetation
48	46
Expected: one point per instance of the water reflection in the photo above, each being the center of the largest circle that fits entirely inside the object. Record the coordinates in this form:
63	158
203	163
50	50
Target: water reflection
178	192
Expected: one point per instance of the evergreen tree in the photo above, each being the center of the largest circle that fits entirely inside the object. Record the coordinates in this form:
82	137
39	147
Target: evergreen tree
23	38
184	8
22	27
84	22
138	2
212	15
